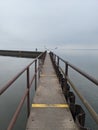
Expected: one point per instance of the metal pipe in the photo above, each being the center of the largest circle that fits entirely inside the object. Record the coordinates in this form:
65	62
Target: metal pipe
92	79
11	125
38	68
35	74
58	61
28	95
66	70
87	105
5	87
33	78
84	74
66	73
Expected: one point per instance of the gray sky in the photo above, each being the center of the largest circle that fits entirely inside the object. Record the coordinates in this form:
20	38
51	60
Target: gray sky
66	24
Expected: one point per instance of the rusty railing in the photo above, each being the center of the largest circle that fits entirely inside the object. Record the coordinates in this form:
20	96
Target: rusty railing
64	79
38	64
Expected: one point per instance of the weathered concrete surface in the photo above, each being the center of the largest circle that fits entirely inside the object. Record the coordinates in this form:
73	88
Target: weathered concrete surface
49	92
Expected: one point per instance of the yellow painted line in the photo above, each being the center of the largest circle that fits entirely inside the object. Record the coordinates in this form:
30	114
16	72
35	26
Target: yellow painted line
50	105
48	75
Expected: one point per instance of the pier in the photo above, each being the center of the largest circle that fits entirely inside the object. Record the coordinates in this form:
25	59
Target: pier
22	54
53	106
49	109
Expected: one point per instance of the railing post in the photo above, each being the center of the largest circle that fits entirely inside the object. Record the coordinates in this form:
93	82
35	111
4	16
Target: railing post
35	74
28	96
66	73
39	66
58	61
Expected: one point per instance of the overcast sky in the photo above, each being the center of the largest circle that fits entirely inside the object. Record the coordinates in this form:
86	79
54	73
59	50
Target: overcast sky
66	24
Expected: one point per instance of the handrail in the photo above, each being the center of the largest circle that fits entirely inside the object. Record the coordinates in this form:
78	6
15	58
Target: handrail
18	75
80	71
27	92
84	74
57	59
85	102
5	87
11	125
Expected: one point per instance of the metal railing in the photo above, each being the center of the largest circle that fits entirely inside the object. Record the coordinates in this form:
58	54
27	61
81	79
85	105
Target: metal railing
38	64
57	60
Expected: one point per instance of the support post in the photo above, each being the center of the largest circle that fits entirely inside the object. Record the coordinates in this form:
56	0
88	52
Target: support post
39	66
66	73
28	96
58	61
35	75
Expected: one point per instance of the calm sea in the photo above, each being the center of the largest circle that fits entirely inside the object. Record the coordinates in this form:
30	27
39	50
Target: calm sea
86	60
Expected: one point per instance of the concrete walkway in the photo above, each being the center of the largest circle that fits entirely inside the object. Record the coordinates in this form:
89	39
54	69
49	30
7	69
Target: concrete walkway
49	110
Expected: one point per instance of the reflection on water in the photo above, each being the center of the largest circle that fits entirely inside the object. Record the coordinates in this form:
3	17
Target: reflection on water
87	61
